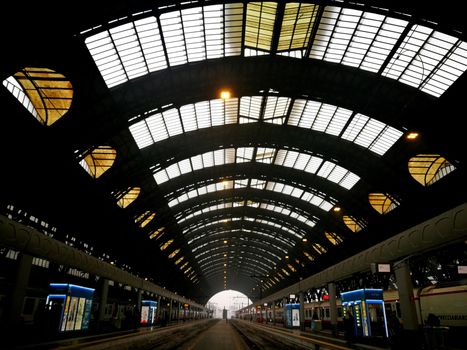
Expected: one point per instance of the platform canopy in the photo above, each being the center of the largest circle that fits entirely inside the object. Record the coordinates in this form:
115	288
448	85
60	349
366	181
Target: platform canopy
210	145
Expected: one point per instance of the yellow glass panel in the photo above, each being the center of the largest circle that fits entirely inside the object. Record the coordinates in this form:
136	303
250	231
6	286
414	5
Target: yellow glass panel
297	25
382	203
285	271
311	258
184	265
156	233
353	225
319	248
429	168
49	92
128	197
333	238
145	218
187	270
166	244
260	18
175	252
100	160
179	260
291	268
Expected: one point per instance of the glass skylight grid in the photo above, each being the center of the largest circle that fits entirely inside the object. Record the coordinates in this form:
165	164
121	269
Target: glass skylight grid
17	90
330	119
259	26
355	38
250	109
319	116
160	126
316	165
276	109
428	60
297	25
270	207
372	134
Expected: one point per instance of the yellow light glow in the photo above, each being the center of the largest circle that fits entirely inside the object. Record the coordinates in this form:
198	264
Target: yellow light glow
337	209
225	94
412	135
225	242
304	240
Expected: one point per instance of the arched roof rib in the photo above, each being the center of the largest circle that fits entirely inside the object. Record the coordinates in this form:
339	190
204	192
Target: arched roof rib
256	228
276	245
293	229
258	195
231	263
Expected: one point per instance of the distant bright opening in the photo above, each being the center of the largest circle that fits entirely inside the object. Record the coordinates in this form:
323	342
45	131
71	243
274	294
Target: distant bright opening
230	300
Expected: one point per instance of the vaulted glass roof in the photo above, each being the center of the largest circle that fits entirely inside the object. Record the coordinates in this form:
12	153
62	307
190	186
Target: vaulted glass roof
303	164
355	127
390	45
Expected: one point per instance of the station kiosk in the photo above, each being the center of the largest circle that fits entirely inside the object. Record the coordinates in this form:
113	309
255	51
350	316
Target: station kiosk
367	307
148	312
70	306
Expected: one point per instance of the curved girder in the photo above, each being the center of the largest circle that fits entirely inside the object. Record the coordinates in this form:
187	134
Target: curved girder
280	246
325	219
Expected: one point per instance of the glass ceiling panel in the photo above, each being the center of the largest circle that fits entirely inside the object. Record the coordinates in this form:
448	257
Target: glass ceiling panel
367	132
214	221
299	161
259	26
257	231
269	186
296	26
266	206
428	60
355	38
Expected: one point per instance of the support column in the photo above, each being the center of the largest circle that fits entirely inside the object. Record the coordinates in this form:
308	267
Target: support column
103	300
333	307
170	311
302	311
18	291
139	298
406	297
284	311
274	313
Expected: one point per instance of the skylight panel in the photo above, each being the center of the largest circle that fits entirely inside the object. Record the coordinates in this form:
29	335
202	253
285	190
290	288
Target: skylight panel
104	53
265	155
319	116
371	134
157	127
141	134
244	154
129	50
214	30
46	94
233	18
173	171
197	162
208	159
313	165
297	25
250	107
349	180
355	38
259	26
276	107
194	33
151	43
172	122
98	161
428	60
172	29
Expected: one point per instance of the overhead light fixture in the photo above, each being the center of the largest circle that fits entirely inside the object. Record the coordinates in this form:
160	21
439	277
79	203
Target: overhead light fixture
412	135
225	242
304	240
225	94
337	209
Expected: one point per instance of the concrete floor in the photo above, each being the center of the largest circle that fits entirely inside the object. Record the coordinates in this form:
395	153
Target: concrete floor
221	336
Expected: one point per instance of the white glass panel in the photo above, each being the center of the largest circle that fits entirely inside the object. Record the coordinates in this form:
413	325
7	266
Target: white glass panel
157	127
172	30
151	43
141	134
233	29
172	122
188	116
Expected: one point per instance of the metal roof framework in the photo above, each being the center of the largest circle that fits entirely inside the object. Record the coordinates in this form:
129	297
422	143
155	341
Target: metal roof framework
100	115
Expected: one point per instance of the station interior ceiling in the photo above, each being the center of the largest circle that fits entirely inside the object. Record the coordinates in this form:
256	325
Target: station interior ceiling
305	164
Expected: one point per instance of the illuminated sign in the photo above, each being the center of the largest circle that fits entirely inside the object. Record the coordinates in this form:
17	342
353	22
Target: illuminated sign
384	268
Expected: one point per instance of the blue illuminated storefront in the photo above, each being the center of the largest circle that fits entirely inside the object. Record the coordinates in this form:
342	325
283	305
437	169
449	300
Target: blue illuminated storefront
73	303
367	307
